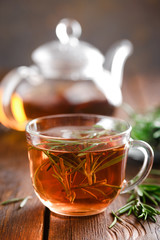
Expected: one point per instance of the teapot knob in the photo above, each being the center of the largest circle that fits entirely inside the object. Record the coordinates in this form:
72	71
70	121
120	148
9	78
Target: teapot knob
68	31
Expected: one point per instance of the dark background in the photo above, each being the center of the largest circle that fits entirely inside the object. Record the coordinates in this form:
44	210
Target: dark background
26	24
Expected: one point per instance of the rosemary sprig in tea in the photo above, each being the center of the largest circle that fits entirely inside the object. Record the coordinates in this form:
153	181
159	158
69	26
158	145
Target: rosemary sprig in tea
137	204
65	158
64	170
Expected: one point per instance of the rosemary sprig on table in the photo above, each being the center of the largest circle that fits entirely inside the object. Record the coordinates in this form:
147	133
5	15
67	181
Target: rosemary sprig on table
138	204
14	200
145	126
144	198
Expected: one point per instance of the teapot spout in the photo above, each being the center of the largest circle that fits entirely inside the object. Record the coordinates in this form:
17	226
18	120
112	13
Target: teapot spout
115	60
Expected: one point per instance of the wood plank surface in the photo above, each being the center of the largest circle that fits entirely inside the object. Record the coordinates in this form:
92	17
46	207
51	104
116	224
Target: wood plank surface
15	223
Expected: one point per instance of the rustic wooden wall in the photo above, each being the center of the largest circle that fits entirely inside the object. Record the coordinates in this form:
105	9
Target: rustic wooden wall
26	24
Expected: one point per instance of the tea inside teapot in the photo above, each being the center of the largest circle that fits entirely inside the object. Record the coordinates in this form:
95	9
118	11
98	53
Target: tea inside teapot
68	77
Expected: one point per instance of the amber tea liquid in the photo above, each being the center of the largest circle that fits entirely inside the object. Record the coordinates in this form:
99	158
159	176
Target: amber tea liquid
77	178
50	98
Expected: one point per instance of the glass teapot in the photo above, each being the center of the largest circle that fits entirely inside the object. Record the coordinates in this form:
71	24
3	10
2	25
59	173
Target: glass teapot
68	76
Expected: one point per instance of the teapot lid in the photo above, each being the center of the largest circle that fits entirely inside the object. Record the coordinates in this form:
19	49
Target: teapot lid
68	54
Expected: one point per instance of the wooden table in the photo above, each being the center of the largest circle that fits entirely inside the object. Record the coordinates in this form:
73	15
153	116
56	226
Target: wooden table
34	221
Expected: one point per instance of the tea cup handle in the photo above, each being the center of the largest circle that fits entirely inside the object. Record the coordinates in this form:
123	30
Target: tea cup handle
147	151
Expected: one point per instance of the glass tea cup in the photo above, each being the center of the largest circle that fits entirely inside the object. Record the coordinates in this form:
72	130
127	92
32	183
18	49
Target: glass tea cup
78	161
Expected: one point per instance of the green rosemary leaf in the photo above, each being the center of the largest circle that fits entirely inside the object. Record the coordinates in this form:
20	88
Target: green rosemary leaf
141	215
55	147
114	222
150	198
110	185
73	162
30	148
116	217
78	167
130	211
150	187
139	191
132	196
94	165
156	134
157	193
12	200
150	212
63	142
104	159
137	208
50	166
110	163
97	126
37	171
156	197
68	164
97	184
23	203
103	133
126	205
53	159
152	219
99	190
89	192
89	147
155	172
58	177
81	154
151	208
124	209
150	180
144	198
145	216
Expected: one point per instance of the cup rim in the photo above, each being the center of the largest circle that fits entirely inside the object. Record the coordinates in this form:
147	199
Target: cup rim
37	133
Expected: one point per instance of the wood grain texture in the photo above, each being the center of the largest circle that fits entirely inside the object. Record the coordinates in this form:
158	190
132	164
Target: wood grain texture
16	223
96	227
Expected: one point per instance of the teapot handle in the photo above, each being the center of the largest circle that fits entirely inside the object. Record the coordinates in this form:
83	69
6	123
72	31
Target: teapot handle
115	59
14	116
